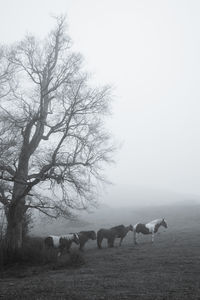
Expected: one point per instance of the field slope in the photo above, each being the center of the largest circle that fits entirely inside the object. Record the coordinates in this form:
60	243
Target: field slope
167	269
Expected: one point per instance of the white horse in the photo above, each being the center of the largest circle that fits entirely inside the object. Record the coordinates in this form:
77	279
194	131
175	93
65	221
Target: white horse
61	242
149	228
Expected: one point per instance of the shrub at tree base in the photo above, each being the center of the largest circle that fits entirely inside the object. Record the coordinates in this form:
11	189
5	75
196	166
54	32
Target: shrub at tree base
33	253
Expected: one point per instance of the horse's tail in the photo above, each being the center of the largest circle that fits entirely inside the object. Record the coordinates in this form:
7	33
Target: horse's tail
99	238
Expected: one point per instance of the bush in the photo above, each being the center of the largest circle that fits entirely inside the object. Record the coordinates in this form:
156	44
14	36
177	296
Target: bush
33	252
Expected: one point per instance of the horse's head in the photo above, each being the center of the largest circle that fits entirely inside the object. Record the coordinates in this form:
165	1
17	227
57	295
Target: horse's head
76	239
163	223
130	227
93	235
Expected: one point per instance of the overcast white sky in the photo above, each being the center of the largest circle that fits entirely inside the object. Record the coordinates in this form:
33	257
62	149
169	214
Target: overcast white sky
150	52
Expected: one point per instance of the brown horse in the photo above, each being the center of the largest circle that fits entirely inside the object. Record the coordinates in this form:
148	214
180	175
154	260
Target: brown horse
119	231
84	236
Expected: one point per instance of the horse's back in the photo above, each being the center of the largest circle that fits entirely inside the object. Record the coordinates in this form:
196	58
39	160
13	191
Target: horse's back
142	228
68	236
119	230
112	232
52	241
87	235
103	232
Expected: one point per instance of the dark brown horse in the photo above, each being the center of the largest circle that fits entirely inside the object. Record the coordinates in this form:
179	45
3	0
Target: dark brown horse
84	236
119	231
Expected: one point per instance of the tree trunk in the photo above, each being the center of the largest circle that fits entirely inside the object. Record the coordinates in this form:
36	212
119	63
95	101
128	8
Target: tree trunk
14	235
16	209
15	216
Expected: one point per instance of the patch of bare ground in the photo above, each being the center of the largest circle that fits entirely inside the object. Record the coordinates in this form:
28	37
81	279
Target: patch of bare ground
167	269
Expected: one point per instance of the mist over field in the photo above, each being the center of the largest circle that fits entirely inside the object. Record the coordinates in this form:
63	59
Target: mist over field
125	207
179	213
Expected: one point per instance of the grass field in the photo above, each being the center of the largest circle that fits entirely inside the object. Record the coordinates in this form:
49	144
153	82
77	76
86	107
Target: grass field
167	269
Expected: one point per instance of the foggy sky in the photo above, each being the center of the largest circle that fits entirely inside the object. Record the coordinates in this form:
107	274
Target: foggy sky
149	51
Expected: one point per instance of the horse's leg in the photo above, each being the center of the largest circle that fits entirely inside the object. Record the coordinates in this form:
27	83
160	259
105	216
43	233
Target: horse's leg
134	237
82	243
68	246
152	237
111	242
61	249
81	247
99	241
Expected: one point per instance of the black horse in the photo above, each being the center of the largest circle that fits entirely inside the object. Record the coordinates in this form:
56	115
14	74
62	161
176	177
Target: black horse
119	231
84	236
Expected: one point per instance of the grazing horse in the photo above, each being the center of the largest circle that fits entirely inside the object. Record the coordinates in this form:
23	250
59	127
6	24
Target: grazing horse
61	242
119	231
149	228
84	236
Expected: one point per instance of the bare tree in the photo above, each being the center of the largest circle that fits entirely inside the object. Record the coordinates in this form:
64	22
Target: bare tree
52	138
6	73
